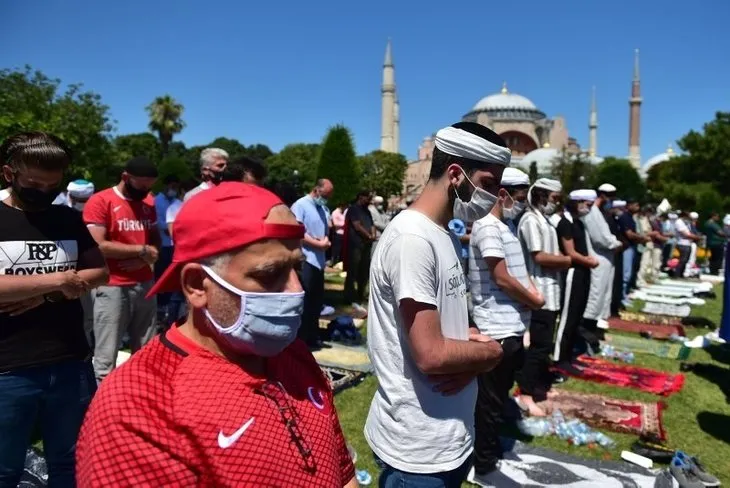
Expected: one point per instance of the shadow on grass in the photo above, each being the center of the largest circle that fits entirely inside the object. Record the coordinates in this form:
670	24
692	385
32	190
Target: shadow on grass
719	353
715	374
715	424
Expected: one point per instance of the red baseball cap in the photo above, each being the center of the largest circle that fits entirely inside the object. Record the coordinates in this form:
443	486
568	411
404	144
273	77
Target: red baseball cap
221	219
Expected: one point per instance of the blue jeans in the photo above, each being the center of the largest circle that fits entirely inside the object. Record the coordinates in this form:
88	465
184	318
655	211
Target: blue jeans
629	254
393	478
55	398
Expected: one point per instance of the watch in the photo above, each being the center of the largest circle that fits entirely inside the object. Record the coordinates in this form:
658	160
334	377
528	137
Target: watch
143	252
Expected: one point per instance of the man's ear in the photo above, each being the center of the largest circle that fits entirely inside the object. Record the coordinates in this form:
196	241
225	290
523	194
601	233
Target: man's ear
192	280
455	174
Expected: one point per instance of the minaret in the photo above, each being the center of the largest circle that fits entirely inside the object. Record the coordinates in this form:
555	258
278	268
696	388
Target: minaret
388	98
396	125
635	116
593	127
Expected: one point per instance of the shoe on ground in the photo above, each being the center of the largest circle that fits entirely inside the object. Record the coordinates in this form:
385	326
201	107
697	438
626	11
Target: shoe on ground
682	474
327	310
568	369
559	378
655	452
696	468
359	309
494	478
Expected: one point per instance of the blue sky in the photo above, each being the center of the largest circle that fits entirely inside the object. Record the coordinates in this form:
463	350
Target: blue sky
282	72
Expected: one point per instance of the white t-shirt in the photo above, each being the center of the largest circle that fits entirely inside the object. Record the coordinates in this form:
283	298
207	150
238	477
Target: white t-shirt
495	313
537	234
409	426
682	228
172	210
4	194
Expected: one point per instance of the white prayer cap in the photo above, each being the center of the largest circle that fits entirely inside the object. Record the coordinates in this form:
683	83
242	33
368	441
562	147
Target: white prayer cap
514	177
694	215
672	216
548	184
607	188
377	199
583	195
618	204
463	140
80	189
726	220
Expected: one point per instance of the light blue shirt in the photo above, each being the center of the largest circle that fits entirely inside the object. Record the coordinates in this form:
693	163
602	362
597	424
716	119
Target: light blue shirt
315	220
161	205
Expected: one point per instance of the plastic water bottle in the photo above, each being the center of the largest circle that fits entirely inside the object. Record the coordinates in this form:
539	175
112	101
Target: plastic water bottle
604	441
535	426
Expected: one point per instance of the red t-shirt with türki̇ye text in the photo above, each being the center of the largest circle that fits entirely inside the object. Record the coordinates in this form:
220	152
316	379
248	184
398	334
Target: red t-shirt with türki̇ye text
126	221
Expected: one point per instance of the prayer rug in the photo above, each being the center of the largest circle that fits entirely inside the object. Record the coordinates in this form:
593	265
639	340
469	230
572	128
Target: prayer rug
667	309
602	412
657	331
531	466
625	375
341	379
352	358
645	318
662	349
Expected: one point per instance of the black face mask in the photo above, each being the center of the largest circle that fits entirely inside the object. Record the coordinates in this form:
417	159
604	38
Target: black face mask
216	177
33	198
135	193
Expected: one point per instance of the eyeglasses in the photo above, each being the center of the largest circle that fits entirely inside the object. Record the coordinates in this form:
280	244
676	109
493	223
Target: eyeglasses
274	391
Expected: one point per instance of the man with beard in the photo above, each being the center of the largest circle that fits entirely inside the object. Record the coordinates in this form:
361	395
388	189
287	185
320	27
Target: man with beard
228	396
606	246
212	164
123	221
47	261
421	420
544	261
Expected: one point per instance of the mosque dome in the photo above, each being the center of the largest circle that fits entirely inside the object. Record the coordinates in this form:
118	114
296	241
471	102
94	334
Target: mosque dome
507	106
659	158
542	157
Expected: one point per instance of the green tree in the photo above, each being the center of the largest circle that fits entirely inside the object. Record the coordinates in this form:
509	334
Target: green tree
572	170
299	158
32	101
338	163
533	172
176	166
620	173
132	145
384	172
165	119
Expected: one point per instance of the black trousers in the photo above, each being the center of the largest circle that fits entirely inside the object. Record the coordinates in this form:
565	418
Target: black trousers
358	272
716	255
163	261
575	290
635	269
534	378
494	388
684	253
312	279
336	249
617	293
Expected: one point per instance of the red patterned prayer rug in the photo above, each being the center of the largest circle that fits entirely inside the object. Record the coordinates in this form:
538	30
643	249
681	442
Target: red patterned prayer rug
657	331
602	412
644	379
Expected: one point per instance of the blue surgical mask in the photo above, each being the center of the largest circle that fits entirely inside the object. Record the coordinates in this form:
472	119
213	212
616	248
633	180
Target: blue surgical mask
266	324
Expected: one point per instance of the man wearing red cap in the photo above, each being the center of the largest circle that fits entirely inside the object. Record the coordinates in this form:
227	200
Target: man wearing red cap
228	396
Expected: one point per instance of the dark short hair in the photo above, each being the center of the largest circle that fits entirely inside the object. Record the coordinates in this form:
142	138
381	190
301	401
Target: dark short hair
363	193
142	167
171	179
237	169
35	149
440	161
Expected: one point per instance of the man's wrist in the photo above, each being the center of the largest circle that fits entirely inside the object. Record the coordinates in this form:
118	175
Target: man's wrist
143	252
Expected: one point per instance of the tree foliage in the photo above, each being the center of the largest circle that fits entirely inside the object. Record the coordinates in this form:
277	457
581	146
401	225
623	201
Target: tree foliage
573	171
338	163
621	174
533	172
299	158
165	119
699	179
142	144
383	172
32	101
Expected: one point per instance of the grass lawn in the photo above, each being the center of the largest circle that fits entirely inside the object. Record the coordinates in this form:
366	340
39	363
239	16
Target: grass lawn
697	419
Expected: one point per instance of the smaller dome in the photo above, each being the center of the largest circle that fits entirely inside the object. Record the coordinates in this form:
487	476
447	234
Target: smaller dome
659	158
543	158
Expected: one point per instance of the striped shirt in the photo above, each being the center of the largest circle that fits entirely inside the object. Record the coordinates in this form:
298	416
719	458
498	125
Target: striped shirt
495	313
536	234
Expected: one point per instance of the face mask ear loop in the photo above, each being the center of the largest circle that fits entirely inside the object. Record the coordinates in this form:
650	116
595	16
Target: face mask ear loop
529	196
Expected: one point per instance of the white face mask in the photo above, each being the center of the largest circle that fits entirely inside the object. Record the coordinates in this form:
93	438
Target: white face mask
514	211
583	211
479	205
79	206
549	208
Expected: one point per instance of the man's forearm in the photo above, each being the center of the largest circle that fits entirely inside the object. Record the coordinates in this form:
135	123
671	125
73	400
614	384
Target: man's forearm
580	259
95	277
551	261
515	290
117	250
15	288
456	356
